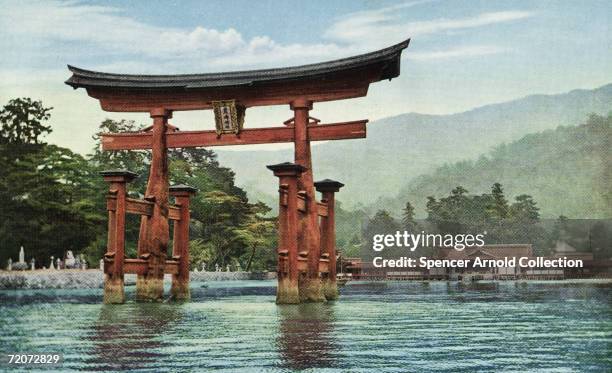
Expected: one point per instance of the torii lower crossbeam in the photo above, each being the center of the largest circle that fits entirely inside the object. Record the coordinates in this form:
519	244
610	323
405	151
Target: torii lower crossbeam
268	135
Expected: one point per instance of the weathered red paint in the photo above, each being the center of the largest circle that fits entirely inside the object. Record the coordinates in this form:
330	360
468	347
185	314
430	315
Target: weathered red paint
115	253
287	266
310	286
328	189
155	231
269	135
180	250
112	99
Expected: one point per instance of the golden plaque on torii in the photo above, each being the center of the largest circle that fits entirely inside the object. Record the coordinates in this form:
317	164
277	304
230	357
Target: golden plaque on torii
229	117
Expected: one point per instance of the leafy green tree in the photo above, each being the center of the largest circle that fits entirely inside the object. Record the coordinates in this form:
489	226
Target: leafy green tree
522	225
382	223
23	122
461	213
133	160
46	190
259	235
525	209
228	228
55	200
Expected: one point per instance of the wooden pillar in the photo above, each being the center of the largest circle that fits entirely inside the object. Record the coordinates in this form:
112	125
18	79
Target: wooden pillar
328	188
287	291
180	250
115	252
150	286
309	239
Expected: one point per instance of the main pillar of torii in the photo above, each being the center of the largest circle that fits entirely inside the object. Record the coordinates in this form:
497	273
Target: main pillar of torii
309	235
229	94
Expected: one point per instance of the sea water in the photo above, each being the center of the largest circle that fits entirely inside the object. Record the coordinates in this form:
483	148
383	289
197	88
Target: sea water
395	326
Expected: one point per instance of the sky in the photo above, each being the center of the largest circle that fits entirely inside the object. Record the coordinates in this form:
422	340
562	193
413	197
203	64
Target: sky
463	54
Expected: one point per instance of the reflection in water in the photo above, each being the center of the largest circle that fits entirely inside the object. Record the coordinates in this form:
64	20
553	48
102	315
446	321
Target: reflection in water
131	336
305	339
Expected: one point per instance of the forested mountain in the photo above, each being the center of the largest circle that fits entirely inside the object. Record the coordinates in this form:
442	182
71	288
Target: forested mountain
568	171
399	149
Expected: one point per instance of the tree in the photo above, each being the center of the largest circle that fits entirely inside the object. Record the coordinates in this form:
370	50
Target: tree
381	223
523	224
54	200
46	190
133	160
525	209
461	213
458	213
228	228
408	220
259	233
22	122
499	208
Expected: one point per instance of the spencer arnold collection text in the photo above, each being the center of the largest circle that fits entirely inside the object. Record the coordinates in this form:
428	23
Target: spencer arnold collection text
523	262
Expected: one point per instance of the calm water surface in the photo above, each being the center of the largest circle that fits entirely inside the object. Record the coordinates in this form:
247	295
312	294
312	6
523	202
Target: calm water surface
235	326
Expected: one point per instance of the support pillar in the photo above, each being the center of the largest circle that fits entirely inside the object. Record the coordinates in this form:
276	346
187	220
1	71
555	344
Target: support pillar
287	291
328	188
114	291
155	232
180	250
309	239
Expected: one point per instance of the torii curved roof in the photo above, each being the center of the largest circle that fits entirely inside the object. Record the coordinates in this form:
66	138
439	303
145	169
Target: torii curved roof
332	80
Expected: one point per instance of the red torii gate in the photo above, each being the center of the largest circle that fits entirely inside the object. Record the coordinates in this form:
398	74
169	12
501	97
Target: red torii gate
306	252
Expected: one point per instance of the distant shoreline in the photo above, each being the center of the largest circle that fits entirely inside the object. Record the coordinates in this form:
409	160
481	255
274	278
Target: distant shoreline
94	279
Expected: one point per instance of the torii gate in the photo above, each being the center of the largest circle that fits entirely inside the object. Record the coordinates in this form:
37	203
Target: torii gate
306	252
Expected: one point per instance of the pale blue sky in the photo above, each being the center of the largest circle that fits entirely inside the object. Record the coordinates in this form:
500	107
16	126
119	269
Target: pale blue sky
463	53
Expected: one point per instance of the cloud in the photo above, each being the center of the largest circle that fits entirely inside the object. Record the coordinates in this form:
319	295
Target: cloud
484	19
376	26
469	51
69	29
106	31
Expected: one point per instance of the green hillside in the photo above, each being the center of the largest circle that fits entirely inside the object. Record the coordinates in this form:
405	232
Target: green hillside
568	171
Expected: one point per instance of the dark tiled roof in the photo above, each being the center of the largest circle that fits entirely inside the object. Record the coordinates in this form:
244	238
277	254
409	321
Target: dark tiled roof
183	188
327	184
286	166
119	172
389	58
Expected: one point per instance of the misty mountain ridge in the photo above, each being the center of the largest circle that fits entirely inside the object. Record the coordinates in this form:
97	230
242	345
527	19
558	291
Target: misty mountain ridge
568	171
398	149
